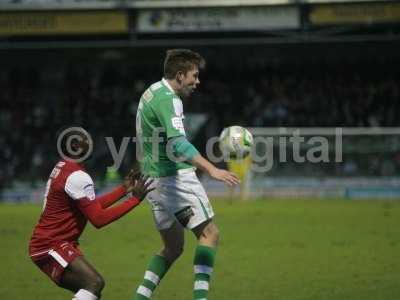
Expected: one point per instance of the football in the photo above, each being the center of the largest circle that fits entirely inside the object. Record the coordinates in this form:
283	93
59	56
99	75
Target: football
235	142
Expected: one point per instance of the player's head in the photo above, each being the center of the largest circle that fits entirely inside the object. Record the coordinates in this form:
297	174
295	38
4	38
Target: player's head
74	143
182	66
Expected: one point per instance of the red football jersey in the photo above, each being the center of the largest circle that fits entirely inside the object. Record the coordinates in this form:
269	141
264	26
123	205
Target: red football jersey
61	219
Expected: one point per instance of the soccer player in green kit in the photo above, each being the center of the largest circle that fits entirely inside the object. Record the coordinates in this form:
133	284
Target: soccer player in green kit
179	200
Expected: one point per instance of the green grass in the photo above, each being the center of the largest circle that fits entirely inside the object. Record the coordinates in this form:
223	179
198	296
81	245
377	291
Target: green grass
281	249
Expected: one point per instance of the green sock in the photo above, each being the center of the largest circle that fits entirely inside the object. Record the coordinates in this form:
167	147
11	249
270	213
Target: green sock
203	266
155	272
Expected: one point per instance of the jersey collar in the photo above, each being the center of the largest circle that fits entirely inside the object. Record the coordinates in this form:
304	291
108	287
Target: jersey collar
74	163
165	82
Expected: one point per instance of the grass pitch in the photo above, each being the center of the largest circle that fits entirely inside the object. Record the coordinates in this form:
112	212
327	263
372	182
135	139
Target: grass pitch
280	249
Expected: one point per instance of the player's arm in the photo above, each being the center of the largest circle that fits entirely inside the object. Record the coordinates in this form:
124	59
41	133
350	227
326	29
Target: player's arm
116	194
183	148
99	216
222	175
80	187
110	198
170	114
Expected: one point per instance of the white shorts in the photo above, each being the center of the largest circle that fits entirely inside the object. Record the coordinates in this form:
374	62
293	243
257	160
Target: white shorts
179	198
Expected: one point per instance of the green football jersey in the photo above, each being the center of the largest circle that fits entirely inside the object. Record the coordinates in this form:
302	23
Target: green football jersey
159	117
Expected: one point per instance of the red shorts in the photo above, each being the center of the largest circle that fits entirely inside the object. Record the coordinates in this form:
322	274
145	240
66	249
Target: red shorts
54	261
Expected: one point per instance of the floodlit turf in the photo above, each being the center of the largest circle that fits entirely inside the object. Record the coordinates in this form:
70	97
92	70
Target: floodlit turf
280	249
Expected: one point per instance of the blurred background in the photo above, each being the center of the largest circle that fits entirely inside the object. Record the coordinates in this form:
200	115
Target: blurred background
309	64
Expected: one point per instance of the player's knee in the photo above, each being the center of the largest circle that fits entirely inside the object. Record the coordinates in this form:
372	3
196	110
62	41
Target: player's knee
100	283
96	283
215	233
179	251
211	233
173	253
176	251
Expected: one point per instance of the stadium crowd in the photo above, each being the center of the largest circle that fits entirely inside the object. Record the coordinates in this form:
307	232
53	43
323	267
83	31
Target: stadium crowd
36	100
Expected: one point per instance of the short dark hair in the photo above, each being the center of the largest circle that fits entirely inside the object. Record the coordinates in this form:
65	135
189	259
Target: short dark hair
181	60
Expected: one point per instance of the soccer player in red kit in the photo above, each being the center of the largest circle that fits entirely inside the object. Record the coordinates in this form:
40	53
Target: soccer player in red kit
69	202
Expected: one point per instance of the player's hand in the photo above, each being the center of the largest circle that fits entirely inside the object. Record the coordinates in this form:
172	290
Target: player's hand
130	179
141	187
225	176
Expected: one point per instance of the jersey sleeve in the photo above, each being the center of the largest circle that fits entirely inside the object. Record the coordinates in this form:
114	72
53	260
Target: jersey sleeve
80	185
170	114
99	216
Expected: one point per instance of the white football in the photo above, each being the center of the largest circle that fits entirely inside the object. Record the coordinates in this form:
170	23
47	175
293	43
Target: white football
235	142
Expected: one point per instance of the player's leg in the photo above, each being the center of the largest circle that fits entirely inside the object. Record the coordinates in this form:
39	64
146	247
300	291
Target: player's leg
186	199
172	236
83	279
173	241
207	235
198	217
66	266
